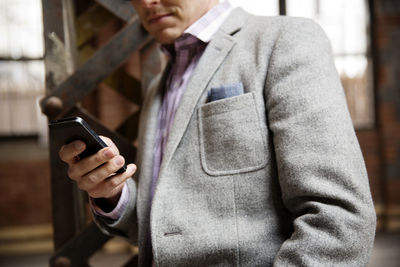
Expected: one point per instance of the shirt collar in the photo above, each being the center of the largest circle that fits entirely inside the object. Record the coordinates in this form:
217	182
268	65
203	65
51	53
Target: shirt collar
206	26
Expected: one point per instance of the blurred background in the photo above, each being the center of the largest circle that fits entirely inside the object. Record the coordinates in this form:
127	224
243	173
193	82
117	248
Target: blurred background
35	59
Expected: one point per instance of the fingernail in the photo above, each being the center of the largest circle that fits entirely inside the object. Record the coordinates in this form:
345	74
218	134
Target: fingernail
108	153
132	168
119	161
78	146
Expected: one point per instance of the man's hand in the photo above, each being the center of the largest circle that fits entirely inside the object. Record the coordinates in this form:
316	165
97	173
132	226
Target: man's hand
96	174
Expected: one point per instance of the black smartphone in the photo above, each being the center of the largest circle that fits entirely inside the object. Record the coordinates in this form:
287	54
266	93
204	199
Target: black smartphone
67	130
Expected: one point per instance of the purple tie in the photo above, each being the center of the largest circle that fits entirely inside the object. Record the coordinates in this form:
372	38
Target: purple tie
186	50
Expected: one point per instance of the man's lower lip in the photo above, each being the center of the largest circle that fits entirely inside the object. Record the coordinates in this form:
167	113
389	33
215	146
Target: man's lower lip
155	20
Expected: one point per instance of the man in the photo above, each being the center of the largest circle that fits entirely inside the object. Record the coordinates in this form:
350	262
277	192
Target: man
247	154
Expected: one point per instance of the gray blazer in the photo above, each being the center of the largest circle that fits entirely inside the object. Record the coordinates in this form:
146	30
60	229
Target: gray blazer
273	176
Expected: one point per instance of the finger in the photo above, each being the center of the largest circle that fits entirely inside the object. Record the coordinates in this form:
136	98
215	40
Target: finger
100	192
69	152
86	165
110	143
112	186
98	175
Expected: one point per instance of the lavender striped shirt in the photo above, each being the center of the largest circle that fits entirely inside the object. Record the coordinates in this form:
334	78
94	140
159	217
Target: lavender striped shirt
184	56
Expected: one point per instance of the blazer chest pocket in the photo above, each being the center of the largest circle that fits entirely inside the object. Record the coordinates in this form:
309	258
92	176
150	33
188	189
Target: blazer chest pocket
231	140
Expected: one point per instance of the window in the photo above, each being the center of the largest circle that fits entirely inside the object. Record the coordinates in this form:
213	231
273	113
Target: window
257	7
346	24
21	67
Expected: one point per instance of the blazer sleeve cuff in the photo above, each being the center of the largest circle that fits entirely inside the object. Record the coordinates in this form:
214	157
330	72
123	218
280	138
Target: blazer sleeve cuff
119	208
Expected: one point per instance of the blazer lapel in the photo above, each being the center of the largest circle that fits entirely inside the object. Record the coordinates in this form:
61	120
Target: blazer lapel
213	57
147	134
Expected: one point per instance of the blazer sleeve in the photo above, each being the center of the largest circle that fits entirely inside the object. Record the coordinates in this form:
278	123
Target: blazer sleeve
320	166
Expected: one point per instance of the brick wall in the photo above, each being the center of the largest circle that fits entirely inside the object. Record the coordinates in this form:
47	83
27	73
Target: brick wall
24	185
386	165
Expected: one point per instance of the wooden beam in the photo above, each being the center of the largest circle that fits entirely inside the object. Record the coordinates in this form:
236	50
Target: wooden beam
21	59
78	250
89	23
282	7
52	12
126	85
95	70
67	200
59	61
121	8
85	53
130	127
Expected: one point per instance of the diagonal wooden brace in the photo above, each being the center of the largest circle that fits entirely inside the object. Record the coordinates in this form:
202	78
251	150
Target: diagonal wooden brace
121	8
85	79
68	255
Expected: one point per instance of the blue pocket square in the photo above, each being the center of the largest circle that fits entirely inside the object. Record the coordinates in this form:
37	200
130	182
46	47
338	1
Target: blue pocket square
225	92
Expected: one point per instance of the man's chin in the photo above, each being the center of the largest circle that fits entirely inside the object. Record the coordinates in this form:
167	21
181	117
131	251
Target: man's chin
167	36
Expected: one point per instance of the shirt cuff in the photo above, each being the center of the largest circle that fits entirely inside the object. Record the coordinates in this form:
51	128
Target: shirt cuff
118	210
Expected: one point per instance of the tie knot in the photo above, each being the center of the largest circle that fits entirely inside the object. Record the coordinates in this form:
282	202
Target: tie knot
188	42
186	50
187	47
